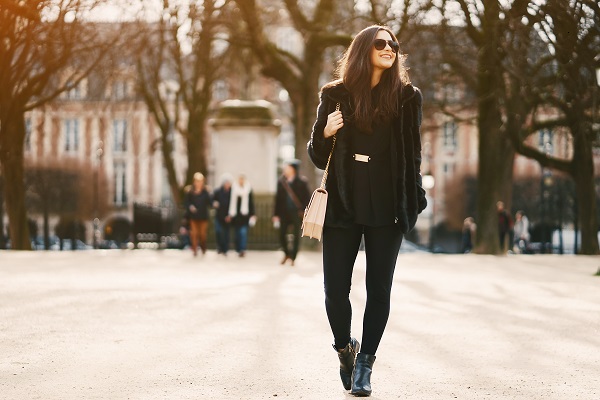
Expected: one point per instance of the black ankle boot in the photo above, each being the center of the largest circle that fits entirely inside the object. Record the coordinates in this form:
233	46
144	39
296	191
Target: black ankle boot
361	378
346	356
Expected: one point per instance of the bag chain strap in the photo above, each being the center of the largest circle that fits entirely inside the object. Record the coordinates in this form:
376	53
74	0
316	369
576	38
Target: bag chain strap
326	172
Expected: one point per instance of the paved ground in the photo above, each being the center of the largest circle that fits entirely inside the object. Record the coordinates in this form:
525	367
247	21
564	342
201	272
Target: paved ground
161	325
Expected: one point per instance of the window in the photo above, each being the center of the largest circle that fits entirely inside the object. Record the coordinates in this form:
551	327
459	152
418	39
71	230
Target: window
220	90
71	135
449	135
120	184
451	92
120	135
27	134
74	92
120	90
448	168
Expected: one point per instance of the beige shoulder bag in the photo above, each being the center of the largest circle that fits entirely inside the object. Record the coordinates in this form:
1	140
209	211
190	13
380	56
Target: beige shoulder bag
314	214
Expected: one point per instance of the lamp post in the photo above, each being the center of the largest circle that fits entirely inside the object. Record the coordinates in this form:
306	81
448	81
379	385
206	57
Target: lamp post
428	184
548	182
96	233
545	182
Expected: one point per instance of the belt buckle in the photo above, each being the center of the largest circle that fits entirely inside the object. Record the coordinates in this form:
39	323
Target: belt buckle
362	158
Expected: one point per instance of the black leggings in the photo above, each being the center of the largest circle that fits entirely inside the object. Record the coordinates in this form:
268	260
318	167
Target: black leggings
340	247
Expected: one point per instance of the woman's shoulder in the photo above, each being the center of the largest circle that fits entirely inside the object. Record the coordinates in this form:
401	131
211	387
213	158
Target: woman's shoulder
333	85
410	92
335	90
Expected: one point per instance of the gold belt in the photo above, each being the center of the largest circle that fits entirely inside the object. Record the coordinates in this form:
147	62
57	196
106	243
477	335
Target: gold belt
362	158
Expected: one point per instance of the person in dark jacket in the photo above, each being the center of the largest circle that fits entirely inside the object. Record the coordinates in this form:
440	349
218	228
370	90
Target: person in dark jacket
197	202
374	185
291	199
221	201
505	226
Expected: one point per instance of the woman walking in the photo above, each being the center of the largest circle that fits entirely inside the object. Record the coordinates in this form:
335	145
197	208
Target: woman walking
197	202
374	185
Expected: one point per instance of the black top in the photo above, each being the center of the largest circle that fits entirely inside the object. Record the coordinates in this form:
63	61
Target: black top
372	180
201	201
373	194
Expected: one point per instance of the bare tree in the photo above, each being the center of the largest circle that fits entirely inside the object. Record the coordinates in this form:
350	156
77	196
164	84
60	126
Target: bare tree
177	84
563	81
45	50
529	63
485	25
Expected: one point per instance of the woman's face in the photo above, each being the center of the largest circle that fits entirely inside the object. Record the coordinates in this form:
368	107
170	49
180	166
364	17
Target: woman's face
383	59
198	184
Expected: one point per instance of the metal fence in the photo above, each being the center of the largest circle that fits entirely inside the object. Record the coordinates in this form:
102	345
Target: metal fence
160	226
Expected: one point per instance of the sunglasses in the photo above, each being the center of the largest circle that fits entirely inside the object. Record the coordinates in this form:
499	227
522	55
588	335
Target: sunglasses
380	44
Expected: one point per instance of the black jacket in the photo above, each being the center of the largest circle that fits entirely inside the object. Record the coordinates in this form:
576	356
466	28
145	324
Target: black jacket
199	200
409	195
300	188
223	197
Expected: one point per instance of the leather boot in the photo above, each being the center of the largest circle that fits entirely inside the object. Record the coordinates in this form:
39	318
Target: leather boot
346	356
361	378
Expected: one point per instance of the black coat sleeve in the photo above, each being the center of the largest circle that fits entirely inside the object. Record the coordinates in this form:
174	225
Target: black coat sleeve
319	147
416	133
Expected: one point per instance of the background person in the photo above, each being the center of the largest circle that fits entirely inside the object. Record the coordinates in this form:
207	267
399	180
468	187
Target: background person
221	201
241	212
505	225
197	202
291	199
374	187
468	234
521	231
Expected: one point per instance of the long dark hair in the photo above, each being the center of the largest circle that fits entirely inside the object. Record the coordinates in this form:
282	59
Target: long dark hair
355	69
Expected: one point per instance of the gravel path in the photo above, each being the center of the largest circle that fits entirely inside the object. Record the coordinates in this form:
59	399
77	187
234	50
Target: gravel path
149	324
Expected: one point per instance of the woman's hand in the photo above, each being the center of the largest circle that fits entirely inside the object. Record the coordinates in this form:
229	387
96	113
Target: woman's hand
335	121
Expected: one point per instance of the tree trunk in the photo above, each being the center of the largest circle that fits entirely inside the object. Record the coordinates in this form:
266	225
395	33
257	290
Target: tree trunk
496	155
305	114
583	175
169	165
196	146
12	135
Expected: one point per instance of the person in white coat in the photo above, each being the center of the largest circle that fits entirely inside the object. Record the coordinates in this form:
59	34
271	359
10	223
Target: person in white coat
241	212
521	230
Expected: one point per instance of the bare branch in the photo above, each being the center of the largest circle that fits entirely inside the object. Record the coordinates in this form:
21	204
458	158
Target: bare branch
298	19
475	35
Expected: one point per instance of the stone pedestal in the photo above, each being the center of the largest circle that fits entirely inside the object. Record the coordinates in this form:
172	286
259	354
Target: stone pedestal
244	140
